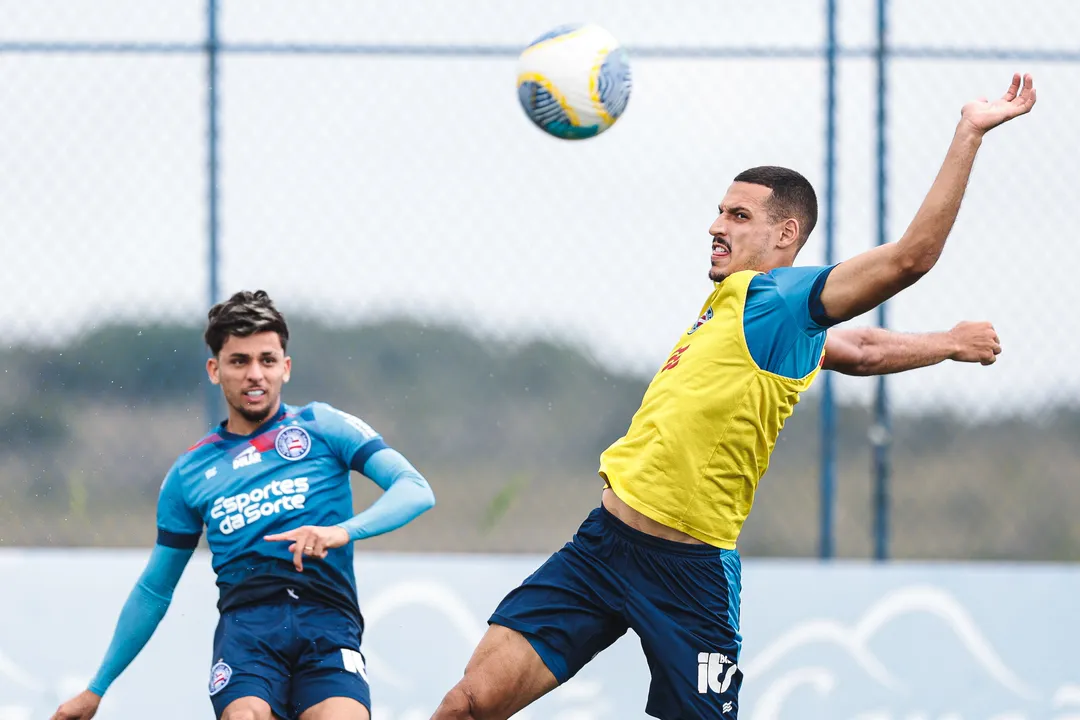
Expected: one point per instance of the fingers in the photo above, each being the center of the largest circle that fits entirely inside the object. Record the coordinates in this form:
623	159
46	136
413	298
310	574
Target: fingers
296	548
1014	88
298	555
1021	98
308	541
1028	93
318	548
994	349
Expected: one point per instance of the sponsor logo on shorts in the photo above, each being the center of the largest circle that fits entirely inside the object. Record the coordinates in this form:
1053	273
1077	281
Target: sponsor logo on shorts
219	676
293	443
247	508
715	672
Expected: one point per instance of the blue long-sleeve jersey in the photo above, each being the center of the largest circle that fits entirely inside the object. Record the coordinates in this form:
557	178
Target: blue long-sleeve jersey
292	471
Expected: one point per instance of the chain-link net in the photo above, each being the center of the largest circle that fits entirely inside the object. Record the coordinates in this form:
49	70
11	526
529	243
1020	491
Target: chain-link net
493	300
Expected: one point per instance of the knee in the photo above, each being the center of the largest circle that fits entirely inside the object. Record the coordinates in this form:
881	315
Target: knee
460	704
247	711
240	714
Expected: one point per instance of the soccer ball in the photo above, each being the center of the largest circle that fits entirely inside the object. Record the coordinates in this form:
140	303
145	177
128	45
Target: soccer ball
574	81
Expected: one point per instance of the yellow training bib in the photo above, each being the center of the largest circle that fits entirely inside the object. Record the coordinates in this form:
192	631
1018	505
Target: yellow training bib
701	440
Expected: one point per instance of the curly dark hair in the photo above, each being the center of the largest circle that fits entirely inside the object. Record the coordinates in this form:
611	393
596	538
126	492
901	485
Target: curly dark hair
245	313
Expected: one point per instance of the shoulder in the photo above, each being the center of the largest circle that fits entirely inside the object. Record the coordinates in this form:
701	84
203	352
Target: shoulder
181	471
803	275
208	440
207	445
323	412
793	285
763	290
335	420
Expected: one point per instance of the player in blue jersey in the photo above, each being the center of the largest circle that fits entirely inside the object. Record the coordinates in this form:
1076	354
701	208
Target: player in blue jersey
270	486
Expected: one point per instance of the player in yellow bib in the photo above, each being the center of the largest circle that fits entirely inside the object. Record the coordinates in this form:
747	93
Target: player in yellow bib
658	556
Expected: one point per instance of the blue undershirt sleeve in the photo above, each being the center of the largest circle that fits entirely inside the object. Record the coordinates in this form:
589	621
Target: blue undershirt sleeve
142	612
407	494
800	288
179	526
784	320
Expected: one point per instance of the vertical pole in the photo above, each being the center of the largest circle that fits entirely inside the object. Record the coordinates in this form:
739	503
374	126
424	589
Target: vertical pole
213	395
881	430
828	403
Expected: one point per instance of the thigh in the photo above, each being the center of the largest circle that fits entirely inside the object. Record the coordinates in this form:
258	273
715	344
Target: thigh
249	661
570	609
330	671
688	622
504	675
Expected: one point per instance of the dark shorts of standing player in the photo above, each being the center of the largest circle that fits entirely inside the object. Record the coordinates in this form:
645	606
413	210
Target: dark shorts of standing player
292	654
682	601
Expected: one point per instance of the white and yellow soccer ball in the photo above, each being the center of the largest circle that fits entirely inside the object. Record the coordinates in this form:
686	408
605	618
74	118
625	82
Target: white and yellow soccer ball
574	81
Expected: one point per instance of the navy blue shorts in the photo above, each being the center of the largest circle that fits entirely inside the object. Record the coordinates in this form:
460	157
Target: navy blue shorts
293	654
682	601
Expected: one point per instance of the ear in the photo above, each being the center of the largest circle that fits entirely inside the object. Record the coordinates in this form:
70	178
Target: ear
212	369
288	369
789	234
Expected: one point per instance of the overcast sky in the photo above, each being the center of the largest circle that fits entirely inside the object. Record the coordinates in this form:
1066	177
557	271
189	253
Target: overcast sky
357	187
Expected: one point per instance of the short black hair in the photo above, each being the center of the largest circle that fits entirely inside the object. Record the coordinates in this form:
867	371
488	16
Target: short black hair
792	196
244	314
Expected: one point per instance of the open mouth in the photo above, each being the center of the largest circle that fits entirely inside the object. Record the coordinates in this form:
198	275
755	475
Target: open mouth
720	249
254	395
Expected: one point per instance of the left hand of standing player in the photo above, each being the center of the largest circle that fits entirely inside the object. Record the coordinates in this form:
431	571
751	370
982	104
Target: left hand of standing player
311	540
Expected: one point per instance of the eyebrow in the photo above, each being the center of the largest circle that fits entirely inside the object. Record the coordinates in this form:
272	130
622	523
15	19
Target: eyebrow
243	356
736	208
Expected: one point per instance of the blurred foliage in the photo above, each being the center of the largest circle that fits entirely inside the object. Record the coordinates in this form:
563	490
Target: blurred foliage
509	436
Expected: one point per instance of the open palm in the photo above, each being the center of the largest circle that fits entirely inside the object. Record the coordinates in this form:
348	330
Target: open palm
1017	100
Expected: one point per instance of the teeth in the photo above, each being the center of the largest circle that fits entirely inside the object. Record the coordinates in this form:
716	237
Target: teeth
255	393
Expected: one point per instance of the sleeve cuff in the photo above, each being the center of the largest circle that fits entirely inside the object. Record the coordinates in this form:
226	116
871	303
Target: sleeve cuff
361	456
817	310
178	541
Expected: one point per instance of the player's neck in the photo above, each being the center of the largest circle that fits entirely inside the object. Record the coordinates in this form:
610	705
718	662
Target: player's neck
237	424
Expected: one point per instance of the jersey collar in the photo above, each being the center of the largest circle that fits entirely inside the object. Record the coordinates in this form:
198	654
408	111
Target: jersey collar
277	417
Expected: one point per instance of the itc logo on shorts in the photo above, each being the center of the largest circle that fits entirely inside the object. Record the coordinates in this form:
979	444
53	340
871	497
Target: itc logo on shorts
353	662
238	511
715	672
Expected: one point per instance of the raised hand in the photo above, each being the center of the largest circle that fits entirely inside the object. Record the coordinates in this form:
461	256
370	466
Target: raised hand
983	115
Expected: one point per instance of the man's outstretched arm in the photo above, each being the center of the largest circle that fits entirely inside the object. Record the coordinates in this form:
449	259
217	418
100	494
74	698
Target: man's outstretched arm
869	279
873	351
144	609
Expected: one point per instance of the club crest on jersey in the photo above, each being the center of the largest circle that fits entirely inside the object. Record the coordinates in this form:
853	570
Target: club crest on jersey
219	676
705	317
293	443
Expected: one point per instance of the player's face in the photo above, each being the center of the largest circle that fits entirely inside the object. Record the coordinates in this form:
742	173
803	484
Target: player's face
251	371
742	235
